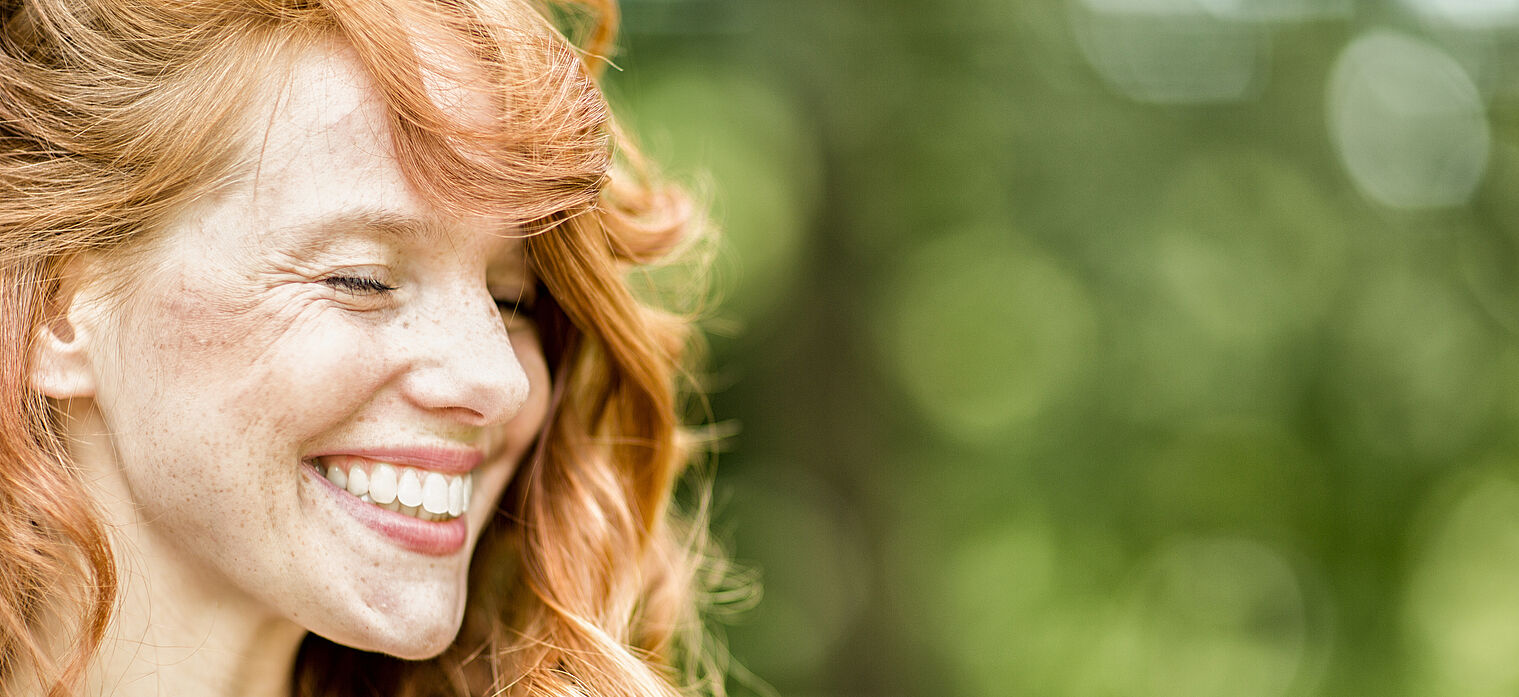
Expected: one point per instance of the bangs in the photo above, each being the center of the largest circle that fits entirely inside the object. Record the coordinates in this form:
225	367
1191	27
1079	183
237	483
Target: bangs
492	110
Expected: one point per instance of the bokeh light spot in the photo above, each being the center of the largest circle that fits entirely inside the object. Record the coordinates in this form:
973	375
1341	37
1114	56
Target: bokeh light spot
1483	14
983	333
1012	624
1408	122
1240	262
1240	275
1170	51
1279	10
1208	617
1414	375
1462	606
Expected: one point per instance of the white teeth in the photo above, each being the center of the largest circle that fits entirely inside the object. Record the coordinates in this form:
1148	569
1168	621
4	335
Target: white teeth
338	477
358	483
382	484
456	495
435	493
430	496
409	490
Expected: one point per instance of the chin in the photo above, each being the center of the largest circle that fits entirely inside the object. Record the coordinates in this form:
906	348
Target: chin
410	639
418	647
413	612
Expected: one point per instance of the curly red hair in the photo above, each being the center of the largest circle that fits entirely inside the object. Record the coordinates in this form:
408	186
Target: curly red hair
114	116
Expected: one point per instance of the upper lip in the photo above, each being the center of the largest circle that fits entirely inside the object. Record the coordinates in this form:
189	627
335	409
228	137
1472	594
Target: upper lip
440	458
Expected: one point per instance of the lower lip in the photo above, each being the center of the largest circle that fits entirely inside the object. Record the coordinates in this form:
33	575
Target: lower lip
433	538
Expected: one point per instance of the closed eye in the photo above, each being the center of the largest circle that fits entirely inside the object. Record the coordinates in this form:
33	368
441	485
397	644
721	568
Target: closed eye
358	285
519	305
515	307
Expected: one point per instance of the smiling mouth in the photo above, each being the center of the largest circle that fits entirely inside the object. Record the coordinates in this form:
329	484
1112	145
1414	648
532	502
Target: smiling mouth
410	491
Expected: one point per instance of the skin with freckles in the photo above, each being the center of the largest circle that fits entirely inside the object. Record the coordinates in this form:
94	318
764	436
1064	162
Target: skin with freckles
317	306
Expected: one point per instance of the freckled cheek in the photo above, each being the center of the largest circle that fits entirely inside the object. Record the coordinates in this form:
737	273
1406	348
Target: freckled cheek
193	326
266	355
205	336
330	366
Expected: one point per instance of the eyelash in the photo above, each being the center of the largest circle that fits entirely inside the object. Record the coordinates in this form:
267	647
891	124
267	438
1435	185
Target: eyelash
519	306
358	285
367	285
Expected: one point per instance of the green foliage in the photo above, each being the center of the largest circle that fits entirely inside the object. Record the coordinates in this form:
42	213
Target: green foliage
1123	348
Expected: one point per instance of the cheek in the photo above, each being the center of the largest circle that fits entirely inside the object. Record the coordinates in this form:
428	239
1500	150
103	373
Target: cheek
210	394
191	323
267	357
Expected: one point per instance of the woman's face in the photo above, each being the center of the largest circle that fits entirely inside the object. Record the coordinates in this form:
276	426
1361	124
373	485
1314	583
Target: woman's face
319	316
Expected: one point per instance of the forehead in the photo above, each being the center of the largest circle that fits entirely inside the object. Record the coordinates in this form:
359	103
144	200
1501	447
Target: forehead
321	149
326	124
326	89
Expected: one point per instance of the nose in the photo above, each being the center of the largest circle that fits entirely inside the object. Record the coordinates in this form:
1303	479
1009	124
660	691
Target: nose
463	364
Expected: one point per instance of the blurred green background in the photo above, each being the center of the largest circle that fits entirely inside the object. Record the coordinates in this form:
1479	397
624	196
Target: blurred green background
1109	347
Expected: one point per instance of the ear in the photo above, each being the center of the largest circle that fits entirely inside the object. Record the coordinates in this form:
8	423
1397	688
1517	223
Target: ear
60	365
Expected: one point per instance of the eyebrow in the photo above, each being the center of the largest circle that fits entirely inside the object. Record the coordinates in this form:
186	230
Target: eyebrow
387	223
396	226
305	237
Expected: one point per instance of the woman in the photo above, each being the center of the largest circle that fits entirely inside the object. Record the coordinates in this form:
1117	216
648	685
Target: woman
321	375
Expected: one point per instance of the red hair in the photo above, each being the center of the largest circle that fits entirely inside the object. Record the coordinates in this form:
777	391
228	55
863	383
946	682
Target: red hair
115	116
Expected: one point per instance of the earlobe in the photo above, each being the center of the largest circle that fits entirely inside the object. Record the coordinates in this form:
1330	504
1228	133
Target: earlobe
60	365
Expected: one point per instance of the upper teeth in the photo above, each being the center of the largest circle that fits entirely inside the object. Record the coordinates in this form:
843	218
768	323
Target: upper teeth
415	492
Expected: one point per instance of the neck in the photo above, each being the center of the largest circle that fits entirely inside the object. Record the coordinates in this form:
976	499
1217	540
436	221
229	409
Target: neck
173	634
176	632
